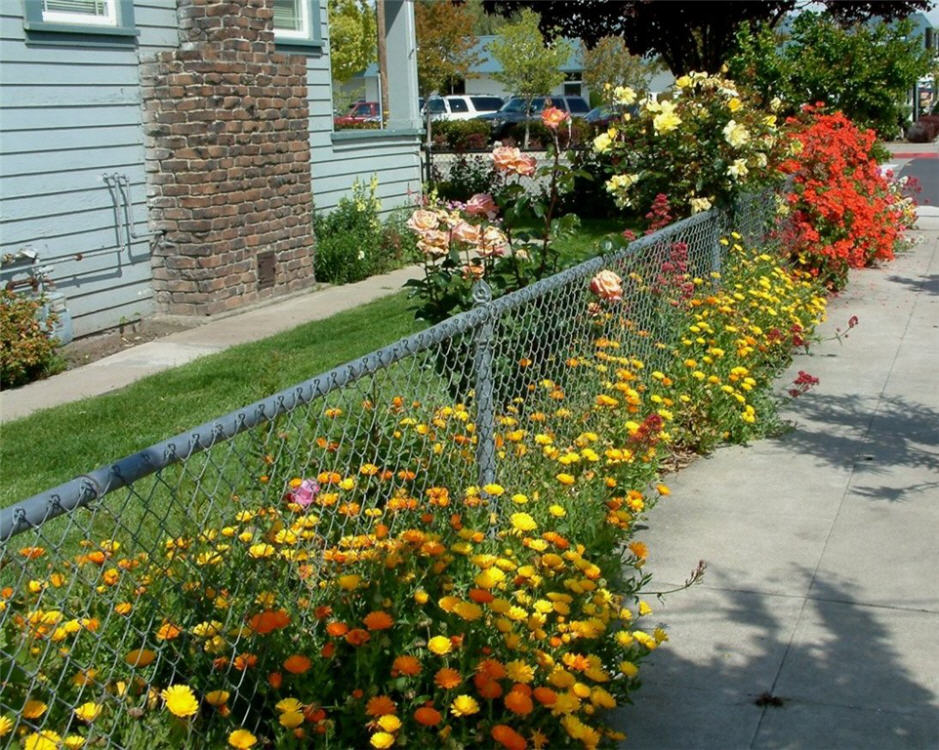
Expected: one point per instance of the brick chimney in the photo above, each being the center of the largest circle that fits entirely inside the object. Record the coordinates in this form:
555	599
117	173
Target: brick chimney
226	120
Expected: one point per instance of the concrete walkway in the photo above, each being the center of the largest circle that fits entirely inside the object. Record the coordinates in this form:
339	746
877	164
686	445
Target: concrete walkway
205	337
822	587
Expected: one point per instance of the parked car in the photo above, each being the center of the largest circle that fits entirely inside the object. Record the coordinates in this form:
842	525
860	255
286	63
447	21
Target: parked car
461	106
359	112
601	117
513	111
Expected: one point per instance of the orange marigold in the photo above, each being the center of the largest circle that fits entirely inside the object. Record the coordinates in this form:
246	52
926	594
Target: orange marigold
546	696
407	665
492	668
380	705
481	596
447	678
488	689
519	703
297	664
508	737
429	717
245	661
378	620
337	629
358	637
269	621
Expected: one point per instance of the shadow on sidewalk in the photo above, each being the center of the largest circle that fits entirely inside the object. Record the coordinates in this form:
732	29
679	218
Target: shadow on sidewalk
845	431
927	284
838	682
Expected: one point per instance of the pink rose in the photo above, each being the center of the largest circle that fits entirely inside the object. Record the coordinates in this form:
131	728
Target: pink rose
482	204
422	220
607	285
552	117
304	494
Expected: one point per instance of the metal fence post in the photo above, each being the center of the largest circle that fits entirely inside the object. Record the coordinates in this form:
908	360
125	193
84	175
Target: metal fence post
485	405
717	250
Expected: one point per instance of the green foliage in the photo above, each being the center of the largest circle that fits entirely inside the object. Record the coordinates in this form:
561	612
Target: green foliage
610	62
352	243
864	71
444	43
467	176
353	40
461	135
27	348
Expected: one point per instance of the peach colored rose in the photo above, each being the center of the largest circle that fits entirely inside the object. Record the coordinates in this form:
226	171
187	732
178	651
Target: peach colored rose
552	117
505	157
492	242
466	232
434	243
473	271
607	285
422	220
482	204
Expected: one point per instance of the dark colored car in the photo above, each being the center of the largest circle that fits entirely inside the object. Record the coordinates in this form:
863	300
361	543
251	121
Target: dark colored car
513	111
601	117
359	113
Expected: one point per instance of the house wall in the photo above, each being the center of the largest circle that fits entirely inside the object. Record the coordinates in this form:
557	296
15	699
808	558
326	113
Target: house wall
69	116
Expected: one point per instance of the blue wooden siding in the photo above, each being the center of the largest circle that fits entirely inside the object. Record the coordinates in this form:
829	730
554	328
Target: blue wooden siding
71	115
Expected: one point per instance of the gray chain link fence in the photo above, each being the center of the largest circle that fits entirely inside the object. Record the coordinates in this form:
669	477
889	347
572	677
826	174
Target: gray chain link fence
89	569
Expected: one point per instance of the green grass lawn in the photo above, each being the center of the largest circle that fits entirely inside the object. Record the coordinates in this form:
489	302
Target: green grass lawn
52	446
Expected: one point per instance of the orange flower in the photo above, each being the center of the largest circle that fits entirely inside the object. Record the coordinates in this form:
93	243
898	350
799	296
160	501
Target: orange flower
519	703
378	620
322	612
380	705
508	737
167	632
244	661
488	689
275	680
31	553
328	650
297	664
337	629
491	668
429	717
407	665
268	621
481	596
358	637
447	678
552	117
545	696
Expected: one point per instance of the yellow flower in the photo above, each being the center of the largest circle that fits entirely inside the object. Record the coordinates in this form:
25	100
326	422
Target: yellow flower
389	722
33	709
628	668
520	671
88	711
495	490
464	705
644	609
242	738
349	582
44	740
180	700
565	479
260	551
557	511
523	522
382	739
288	704
489	578
439	645
6	725
73	742
291	719
140	657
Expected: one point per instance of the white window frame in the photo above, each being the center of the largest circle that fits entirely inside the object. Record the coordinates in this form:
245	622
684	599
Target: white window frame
304	32
83	19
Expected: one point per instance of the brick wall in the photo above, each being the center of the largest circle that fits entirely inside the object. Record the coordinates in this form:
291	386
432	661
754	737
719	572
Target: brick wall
228	161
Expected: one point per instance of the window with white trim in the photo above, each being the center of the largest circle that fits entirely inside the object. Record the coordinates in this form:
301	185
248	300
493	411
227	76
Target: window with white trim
292	19
82	12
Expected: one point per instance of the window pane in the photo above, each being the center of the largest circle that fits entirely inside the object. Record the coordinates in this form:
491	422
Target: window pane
458	105
83	7
288	15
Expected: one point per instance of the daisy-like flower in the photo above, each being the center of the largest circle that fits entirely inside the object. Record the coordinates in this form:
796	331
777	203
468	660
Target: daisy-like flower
180	701
242	738
88	711
464	705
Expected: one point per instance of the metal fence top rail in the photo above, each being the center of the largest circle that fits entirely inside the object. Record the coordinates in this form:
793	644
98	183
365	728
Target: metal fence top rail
94	485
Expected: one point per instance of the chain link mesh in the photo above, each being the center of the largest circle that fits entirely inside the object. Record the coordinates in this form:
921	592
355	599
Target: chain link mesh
89	570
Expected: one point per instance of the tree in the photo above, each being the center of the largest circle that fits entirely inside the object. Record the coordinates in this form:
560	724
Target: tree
688	35
865	70
353	38
444	44
610	62
530	67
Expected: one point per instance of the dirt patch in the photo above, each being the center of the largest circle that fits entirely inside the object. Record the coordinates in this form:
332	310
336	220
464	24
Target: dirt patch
85	350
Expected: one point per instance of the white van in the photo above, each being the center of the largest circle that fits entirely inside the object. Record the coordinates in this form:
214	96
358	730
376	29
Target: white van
461	106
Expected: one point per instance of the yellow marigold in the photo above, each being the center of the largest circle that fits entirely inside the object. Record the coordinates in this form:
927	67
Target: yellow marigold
44	740
33	709
242	738
140	657
489	578
382	740
260	551
464	705
349	582
628	668
494	490
180	700
520	671
88	711
291	719
565	479
288	704
6	725
389	722
217	697
73	742
523	522
439	645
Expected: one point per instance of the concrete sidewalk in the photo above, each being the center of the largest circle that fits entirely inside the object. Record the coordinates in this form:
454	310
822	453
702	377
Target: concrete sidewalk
121	369
822	587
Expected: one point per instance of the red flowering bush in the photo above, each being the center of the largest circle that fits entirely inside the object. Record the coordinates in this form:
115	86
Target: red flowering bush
841	211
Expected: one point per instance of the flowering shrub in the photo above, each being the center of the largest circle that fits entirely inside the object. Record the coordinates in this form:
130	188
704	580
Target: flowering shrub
27	346
372	604
842	212
701	148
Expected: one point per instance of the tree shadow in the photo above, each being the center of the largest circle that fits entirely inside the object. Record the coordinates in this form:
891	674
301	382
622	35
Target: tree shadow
926	284
834	680
873	437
